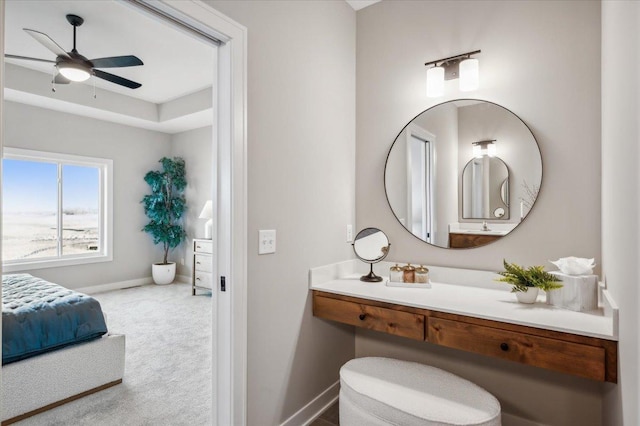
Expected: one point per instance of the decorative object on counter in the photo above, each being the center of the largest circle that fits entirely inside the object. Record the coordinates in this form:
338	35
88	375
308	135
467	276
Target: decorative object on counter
575	265
527	282
422	275
408	274
371	245
580	288
395	273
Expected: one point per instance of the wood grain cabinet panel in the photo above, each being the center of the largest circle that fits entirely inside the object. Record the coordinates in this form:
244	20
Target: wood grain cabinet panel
390	321
567	357
470	240
583	356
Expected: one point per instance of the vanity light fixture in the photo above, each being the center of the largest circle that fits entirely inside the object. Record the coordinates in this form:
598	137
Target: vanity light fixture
461	66
482	148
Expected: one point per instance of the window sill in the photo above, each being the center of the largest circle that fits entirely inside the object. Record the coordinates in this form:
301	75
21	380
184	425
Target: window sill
55	263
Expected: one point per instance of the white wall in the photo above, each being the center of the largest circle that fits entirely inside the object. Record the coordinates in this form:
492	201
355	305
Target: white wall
195	146
133	151
540	60
301	131
620	189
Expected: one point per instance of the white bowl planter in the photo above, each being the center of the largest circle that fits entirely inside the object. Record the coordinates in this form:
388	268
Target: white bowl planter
528	296
163	273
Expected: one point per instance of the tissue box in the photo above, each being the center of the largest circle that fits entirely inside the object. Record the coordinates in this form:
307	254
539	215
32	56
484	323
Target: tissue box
578	292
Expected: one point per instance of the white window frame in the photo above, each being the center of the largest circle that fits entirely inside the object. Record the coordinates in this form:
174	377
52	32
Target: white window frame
105	252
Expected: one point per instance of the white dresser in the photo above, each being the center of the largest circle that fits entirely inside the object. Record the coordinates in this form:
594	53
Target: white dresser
202	277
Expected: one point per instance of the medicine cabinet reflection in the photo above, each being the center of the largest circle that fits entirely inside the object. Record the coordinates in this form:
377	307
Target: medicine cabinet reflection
439	188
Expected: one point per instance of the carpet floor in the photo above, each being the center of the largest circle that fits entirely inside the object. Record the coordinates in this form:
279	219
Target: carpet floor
167	378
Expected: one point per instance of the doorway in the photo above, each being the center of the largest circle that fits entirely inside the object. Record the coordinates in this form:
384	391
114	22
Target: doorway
229	198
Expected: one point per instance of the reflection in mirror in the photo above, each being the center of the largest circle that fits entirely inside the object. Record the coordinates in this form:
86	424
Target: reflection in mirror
371	245
459	164
485	188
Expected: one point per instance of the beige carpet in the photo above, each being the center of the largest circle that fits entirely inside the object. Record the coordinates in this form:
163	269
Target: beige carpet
167	379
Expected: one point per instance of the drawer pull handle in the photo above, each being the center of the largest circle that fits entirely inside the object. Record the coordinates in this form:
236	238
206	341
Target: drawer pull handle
362	316
197	279
504	347
198	247
197	263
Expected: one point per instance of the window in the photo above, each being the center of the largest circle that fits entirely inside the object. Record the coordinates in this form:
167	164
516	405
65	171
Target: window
57	210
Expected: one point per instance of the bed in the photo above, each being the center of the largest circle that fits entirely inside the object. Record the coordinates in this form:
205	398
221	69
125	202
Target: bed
55	347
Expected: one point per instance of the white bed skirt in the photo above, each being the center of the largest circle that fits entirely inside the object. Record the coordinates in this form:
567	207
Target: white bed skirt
53	377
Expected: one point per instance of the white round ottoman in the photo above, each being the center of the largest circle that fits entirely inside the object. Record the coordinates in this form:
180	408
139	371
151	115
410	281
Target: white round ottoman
384	391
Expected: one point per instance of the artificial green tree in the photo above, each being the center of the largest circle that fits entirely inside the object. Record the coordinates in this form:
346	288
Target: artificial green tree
166	204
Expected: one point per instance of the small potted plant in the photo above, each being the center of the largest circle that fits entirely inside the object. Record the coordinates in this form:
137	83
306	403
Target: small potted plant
528	282
164	207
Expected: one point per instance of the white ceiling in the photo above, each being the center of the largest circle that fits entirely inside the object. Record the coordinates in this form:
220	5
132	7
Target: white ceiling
175	63
361	4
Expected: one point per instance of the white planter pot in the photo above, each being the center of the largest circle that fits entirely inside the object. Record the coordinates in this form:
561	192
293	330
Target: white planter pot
528	296
163	274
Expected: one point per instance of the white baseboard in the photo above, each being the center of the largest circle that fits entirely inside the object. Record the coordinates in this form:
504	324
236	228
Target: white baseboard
314	409
511	420
183	279
115	286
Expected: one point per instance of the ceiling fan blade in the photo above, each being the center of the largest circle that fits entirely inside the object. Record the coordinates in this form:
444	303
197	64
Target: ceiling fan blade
116	79
47	42
117	62
60	79
6	55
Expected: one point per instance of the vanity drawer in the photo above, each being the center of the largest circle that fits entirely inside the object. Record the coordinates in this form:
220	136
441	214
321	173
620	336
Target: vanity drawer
203	246
203	279
390	321
567	357
202	263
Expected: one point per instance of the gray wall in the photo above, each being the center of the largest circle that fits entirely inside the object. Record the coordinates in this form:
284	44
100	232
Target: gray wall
301	132
520	42
620	189
133	151
195	147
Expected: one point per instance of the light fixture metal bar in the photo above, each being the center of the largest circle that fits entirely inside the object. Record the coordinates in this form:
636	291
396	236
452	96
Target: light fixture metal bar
451	58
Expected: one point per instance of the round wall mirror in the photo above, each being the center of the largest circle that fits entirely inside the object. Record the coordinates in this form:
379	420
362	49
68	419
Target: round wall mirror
463	173
371	245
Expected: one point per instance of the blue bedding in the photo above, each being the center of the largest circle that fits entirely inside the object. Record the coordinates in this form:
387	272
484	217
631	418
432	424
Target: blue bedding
39	316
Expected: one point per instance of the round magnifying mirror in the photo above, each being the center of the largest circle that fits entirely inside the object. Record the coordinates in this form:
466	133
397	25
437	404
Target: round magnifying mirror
371	245
463	173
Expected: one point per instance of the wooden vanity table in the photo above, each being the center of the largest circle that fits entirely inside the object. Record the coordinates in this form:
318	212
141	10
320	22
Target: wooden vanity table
480	320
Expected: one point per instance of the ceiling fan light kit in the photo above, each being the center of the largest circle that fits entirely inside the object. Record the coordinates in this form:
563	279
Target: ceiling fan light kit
72	66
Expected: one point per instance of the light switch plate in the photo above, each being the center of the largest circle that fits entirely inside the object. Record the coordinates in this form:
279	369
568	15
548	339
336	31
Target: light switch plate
349	233
266	241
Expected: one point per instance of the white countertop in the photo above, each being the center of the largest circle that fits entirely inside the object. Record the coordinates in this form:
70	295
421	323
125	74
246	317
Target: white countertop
486	303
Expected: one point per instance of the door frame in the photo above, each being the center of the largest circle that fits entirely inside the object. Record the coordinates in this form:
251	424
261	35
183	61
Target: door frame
229	341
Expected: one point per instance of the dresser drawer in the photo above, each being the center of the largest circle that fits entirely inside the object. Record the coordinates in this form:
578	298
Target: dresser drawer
202	263
567	357
203	279
372	317
203	247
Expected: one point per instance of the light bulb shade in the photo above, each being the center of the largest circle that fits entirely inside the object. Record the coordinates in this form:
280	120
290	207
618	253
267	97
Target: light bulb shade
469	75
492	149
73	72
207	211
482	148
435	82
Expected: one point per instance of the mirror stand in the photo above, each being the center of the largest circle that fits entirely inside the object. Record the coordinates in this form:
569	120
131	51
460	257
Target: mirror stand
371	277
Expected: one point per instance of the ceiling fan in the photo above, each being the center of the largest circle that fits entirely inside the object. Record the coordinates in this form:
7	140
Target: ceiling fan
72	66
